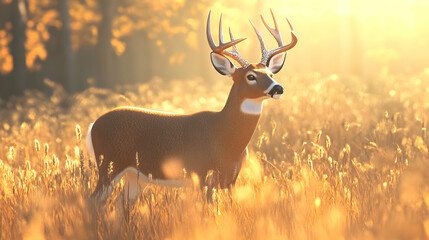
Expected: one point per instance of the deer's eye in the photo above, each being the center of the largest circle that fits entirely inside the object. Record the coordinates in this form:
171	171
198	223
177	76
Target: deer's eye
251	77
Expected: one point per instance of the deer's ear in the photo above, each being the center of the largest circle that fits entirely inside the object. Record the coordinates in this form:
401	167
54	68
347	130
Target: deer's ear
222	64
275	63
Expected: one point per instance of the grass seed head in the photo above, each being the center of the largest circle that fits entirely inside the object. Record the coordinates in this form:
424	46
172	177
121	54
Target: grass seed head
12	154
37	145
78	133
46	149
110	170
137	160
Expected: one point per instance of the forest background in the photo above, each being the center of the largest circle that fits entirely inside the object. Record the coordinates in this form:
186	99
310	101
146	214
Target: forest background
82	43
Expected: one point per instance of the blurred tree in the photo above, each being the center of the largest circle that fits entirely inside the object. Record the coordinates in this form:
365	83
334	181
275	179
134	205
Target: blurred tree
74	41
66	78
349	40
19	72
5	37
105	54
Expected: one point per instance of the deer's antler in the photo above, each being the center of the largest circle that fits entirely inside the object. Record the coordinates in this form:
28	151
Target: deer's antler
221	48
266	55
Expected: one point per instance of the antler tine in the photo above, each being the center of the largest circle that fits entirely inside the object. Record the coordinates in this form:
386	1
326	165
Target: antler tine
221	48
234	53
234	48
286	47
220	30
209	33
275	32
261	41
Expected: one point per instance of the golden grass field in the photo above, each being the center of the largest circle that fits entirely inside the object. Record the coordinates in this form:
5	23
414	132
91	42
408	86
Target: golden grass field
335	158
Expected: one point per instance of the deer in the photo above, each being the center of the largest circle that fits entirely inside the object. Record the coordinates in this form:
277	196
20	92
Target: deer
167	143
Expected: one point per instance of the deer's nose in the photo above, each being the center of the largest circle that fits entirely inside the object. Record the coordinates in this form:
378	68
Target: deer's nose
277	89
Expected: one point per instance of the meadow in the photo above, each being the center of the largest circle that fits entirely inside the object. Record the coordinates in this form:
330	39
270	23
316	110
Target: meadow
335	158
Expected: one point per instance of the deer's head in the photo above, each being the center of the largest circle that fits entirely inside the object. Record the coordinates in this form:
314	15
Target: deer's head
256	80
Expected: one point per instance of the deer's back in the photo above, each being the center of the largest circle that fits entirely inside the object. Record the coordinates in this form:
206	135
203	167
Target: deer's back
165	142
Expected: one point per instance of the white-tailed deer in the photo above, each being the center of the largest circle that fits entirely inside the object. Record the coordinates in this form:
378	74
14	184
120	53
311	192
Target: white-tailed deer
166	142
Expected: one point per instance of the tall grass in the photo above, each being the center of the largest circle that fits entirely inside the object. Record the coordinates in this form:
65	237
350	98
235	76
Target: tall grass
335	158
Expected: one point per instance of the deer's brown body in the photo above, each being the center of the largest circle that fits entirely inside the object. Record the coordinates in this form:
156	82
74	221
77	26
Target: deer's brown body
166	143
195	142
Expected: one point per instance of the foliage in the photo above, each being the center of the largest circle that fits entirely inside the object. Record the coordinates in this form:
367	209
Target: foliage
363	39
333	159
160	19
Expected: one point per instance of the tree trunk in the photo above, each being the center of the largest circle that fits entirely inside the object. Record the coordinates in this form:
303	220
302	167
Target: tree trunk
67	77
5	10
105	52
19	72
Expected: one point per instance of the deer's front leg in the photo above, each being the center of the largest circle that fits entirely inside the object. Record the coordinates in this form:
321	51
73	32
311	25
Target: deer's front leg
238	165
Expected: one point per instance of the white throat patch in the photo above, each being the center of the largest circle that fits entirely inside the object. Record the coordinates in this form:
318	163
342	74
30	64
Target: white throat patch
252	106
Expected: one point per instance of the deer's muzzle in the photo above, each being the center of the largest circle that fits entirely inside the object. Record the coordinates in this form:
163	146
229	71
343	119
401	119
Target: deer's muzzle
276	91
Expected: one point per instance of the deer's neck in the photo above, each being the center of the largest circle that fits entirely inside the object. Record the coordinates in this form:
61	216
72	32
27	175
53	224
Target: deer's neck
236	126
